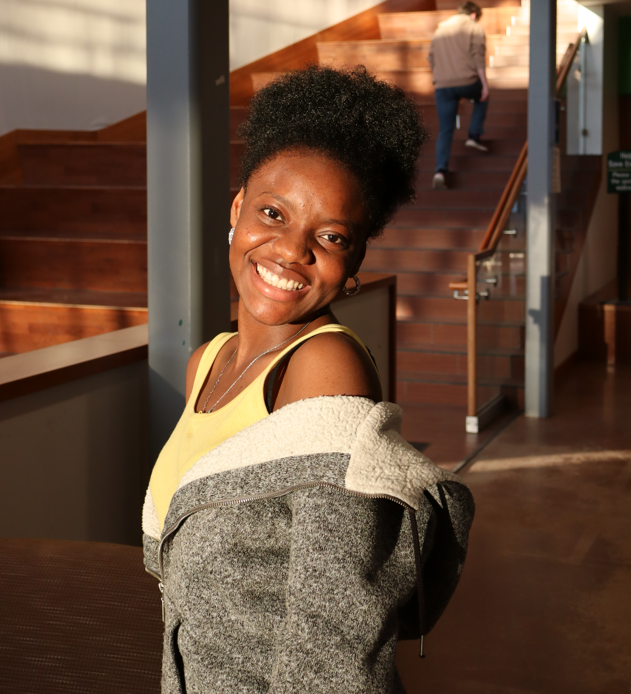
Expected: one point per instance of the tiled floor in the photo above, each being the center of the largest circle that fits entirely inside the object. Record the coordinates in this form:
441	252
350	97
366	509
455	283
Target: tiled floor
544	605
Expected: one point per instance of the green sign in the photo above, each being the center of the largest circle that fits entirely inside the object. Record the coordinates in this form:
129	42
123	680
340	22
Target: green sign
619	171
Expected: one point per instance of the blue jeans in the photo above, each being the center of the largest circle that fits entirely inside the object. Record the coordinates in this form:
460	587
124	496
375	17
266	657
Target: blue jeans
447	100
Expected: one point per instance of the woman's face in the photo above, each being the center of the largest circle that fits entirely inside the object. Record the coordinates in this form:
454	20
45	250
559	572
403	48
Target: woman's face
300	234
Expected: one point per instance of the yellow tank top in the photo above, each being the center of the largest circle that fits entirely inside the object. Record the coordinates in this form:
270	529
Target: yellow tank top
198	433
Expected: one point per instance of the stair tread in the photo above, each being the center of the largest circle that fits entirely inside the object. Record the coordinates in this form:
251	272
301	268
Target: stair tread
455	379
68	236
431	348
74	297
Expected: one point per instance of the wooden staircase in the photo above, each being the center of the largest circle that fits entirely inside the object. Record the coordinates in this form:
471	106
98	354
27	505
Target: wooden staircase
426	245
73	218
73	235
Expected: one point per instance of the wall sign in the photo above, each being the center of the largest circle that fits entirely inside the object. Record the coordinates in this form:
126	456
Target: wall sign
619	171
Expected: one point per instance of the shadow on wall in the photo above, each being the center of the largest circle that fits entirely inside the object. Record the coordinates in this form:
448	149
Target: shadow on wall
37	98
75	459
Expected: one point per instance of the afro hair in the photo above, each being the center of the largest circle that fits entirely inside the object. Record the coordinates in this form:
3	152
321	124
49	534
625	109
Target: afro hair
368	126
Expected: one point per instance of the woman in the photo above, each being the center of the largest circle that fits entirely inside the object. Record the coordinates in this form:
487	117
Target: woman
295	535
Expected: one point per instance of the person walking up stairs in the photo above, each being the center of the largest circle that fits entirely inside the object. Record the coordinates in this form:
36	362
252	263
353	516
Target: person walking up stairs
457	58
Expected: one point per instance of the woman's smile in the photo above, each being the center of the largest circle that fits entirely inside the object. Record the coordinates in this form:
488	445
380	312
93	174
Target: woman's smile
281	282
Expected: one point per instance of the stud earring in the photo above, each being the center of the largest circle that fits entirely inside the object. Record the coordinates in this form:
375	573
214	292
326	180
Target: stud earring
355	290
230	235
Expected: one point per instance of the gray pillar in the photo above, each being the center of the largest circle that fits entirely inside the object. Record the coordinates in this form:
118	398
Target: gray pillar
541	214
188	169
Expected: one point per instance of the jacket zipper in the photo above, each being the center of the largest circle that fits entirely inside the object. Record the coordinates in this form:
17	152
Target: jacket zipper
284	492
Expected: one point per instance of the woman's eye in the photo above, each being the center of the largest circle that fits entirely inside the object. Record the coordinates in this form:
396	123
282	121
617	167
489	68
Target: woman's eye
336	239
271	213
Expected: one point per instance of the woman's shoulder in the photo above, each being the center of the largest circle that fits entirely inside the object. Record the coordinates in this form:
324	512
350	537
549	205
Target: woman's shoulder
330	363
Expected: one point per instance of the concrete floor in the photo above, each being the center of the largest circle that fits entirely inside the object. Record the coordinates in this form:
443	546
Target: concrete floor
544	604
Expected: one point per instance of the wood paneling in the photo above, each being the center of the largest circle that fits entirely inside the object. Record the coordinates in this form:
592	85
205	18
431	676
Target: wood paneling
28	326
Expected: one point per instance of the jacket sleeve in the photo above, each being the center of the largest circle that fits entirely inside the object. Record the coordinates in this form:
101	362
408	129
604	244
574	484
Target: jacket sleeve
478	47
443	521
430	55
346	581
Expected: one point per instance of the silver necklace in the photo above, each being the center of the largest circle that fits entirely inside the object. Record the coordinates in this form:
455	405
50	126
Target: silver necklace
271	349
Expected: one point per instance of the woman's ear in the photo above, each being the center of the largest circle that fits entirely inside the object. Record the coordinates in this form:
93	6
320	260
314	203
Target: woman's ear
235	209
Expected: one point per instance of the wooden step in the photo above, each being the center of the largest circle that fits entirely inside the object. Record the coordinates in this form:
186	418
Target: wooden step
457	199
384	54
410	26
446	218
496	310
445	239
429	389
413	333
81	209
72	263
464	164
25	325
442	359
84	164
415	260
490	181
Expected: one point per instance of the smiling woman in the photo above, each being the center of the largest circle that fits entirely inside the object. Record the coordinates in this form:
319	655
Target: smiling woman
291	528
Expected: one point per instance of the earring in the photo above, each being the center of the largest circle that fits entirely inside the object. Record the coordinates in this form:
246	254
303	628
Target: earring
352	292
230	235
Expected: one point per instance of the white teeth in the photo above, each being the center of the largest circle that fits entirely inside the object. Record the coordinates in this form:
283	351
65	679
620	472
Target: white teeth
270	278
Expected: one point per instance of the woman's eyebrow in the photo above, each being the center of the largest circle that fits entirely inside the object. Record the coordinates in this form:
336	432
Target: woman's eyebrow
342	222
280	198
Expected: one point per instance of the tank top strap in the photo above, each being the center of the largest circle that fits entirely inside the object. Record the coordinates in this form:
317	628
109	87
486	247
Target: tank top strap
328	328
206	362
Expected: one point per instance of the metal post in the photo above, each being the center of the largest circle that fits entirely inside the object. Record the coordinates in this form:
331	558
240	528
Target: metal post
582	98
540	205
188	169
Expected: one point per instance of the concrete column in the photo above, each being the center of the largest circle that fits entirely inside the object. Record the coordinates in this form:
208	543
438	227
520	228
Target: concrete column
188	170
541	214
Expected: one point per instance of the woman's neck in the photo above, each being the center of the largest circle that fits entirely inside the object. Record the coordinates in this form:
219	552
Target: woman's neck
255	337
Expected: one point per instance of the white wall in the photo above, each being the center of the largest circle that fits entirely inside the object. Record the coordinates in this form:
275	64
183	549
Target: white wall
81	64
258	27
597	264
71	64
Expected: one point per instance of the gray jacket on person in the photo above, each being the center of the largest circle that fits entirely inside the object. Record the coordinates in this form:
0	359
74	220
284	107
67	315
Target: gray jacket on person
296	554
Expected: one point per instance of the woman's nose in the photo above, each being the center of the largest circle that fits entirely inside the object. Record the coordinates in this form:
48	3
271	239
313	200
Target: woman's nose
292	245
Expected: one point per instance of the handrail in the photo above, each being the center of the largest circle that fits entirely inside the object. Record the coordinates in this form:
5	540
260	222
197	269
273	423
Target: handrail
502	211
488	246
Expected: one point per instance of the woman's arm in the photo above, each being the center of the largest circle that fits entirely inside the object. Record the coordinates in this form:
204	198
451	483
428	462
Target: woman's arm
349	571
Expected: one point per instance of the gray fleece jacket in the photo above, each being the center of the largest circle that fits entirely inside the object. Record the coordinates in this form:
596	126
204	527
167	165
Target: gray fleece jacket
296	554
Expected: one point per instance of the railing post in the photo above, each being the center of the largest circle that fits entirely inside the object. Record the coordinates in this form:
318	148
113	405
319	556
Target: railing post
472	338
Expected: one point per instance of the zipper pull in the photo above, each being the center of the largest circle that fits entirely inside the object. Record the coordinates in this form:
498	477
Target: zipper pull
161	586
421	653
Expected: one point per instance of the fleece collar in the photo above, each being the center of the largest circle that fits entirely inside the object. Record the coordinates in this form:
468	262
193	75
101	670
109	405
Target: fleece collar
365	435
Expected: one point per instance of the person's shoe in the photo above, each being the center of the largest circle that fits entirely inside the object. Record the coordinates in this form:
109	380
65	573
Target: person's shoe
439	181
475	143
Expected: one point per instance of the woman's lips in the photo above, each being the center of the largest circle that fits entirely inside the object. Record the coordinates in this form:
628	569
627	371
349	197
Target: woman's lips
275	281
